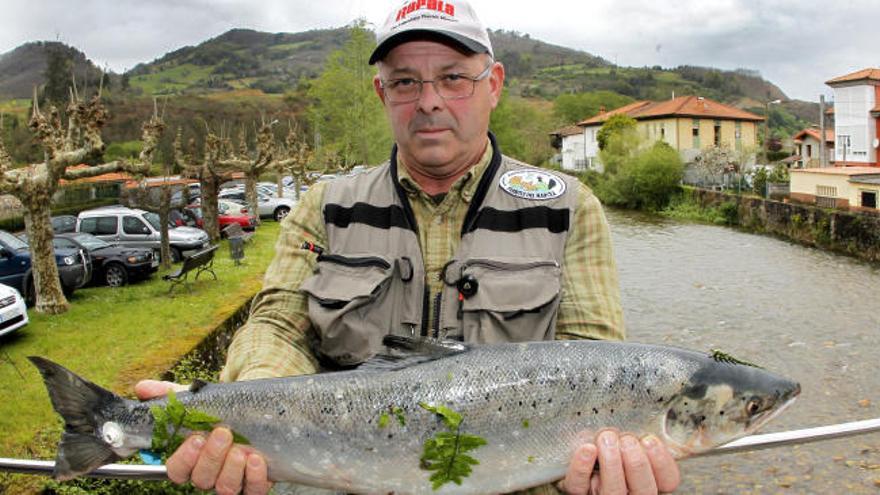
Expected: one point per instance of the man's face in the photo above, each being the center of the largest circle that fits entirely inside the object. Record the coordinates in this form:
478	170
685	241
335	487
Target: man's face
432	133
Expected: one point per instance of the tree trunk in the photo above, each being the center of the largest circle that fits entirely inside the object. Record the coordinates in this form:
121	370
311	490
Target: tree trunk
47	283
250	194
279	183
297	183
164	218
209	207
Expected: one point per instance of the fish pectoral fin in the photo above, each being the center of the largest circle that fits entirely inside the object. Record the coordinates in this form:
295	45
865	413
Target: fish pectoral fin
80	454
407	351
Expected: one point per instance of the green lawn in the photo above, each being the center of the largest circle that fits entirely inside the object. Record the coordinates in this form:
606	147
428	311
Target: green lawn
115	337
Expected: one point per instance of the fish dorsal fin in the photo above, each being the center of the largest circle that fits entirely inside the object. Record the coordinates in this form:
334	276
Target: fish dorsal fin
408	351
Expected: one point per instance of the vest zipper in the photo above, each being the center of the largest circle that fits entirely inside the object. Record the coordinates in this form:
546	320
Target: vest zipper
503	265
352	261
437	300
426	297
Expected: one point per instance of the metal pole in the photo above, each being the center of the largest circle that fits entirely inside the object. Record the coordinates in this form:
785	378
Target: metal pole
823	153
753	442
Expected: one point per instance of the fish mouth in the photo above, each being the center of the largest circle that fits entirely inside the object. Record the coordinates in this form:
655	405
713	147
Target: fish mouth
773	414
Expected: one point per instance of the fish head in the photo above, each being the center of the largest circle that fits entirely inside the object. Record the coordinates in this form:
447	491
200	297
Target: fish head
722	402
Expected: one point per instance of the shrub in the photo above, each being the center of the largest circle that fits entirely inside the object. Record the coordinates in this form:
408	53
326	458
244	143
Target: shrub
647	181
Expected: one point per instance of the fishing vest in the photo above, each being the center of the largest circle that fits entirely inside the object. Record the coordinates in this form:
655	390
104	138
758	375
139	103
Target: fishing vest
502	285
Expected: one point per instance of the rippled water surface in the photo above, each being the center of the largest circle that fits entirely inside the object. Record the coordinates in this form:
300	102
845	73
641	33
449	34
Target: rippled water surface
811	315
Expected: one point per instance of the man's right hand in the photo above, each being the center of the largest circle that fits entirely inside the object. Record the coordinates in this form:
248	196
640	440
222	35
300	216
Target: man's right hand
212	462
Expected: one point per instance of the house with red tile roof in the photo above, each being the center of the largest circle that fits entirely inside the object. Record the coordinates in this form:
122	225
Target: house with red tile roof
689	124
807	148
856	116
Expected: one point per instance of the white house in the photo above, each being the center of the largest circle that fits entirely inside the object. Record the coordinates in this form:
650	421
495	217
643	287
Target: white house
856	112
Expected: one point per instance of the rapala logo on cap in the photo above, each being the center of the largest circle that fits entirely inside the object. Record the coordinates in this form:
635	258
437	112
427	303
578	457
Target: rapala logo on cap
532	184
436	5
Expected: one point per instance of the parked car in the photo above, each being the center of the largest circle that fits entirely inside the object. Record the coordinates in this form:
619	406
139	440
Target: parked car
15	267
63	223
112	264
267	206
132	227
228	213
13	310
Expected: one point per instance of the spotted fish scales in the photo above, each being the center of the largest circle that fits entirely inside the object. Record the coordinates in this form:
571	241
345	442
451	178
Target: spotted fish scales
532	403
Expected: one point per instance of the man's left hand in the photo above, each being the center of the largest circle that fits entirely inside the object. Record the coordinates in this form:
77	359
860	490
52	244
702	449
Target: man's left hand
626	466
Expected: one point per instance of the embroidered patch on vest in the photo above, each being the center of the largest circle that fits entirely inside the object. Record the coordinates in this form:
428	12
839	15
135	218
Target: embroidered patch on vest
532	184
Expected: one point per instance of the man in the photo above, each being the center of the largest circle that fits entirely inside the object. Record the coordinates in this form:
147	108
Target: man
449	239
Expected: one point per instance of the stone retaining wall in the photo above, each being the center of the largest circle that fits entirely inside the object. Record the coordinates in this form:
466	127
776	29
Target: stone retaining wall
855	234
211	351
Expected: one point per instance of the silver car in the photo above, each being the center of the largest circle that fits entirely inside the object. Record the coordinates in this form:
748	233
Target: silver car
139	228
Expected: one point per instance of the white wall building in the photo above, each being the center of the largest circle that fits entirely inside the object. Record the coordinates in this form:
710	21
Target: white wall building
856	111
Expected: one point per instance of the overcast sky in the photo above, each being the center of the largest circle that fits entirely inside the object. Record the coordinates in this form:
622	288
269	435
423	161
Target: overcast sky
796	44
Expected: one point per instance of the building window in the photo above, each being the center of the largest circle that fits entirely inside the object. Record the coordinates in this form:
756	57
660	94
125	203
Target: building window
869	199
826	191
695	132
663	131
717	133
809	151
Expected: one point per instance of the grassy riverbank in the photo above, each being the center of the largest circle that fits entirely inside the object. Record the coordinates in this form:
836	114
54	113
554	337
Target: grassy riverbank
683	207
115	337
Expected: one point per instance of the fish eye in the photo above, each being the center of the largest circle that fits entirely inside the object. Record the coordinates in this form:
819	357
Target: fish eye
753	406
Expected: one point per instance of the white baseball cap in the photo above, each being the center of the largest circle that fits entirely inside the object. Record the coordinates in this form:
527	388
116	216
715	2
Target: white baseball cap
453	20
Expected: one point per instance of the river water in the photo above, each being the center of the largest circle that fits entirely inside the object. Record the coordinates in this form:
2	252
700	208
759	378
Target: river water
810	315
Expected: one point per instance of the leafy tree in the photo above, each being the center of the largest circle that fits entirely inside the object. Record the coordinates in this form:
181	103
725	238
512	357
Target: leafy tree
759	181
521	127
621	143
647	181
615	125
346	112
575	107
58	75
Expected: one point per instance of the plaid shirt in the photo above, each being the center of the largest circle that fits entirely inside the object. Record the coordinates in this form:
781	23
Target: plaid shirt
275	341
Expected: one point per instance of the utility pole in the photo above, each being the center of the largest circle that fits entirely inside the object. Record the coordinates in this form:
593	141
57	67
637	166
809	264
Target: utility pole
823	154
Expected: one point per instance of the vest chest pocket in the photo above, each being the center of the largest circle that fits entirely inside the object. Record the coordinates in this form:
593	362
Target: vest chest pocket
513	302
352	306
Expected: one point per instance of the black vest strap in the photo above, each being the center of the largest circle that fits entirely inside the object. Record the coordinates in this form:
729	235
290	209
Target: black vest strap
482	188
538	217
374	216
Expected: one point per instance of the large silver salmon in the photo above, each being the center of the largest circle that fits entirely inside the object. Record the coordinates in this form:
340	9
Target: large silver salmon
531	402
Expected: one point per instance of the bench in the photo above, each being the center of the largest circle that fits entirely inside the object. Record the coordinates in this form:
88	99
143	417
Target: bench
235	230
201	261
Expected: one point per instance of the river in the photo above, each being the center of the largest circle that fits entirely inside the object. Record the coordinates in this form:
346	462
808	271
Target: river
811	315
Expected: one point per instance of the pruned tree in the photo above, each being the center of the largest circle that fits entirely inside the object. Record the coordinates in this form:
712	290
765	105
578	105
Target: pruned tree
210	171
293	158
35	184
251	163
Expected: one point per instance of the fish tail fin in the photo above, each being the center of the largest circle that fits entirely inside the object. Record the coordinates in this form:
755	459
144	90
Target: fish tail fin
78	401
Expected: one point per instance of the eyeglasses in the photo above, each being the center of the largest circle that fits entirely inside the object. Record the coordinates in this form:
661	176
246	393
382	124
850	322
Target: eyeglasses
448	86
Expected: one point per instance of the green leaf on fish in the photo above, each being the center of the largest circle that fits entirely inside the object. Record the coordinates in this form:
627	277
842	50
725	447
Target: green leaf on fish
398	413
445	452
383	420
723	357
450	417
168	422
